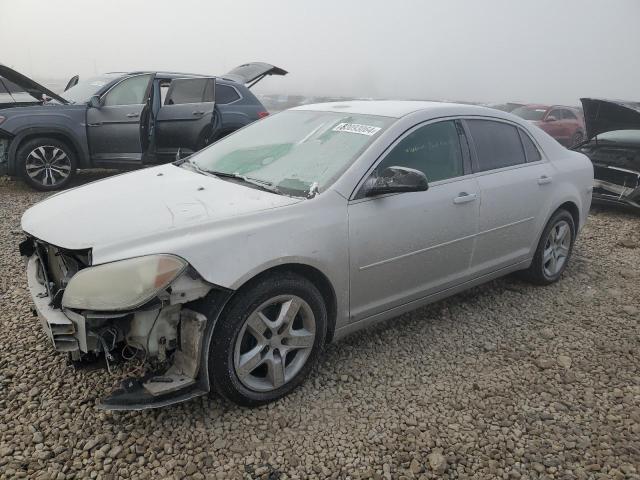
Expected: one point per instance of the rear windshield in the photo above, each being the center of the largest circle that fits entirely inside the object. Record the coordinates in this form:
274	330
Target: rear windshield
84	90
529	113
295	151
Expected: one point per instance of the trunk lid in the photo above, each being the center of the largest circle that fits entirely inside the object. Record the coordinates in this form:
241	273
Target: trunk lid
252	72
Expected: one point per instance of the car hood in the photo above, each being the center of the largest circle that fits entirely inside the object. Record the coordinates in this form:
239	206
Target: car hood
142	204
30	86
602	116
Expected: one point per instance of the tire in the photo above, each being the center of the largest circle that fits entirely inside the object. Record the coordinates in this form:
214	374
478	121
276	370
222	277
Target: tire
577	138
46	164
252	369
547	267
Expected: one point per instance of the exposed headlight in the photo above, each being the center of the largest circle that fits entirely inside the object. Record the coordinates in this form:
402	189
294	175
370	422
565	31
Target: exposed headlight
122	285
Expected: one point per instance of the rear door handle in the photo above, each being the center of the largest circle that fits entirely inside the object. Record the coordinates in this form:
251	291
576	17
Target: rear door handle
132	115
544	179
198	112
464	197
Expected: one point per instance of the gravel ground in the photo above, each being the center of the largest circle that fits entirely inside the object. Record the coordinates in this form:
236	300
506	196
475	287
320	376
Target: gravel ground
504	381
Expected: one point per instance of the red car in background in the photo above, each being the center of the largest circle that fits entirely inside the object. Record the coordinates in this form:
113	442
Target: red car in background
565	124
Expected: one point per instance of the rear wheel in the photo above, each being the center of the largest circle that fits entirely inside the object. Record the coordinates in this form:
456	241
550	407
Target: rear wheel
46	163
268	340
554	250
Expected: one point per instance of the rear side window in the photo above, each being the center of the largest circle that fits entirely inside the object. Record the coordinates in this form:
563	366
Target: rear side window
497	144
225	94
186	90
532	152
433	149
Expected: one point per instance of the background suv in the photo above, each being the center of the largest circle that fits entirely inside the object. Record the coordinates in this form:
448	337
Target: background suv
122	120
565	124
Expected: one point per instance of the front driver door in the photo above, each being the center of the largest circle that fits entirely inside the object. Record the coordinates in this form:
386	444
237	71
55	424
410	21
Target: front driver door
115	129
185	117
404	247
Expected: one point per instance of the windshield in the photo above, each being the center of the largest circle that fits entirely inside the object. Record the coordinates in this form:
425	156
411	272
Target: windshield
620	136
530	113
295	151
84	90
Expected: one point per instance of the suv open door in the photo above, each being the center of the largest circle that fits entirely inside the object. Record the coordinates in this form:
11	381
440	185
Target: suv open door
251	73
184	120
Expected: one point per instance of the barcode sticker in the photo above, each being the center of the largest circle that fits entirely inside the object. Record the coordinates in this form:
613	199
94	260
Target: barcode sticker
367	130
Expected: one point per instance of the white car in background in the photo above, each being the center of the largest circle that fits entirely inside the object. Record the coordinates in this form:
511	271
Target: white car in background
233	268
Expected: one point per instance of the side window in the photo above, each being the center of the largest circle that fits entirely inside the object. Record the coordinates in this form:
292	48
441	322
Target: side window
186	90
497	144
130	91
555	113
433	149
569	115
225	94
530	149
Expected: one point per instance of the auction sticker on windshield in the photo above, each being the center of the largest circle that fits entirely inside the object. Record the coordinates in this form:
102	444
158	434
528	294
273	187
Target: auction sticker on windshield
356	128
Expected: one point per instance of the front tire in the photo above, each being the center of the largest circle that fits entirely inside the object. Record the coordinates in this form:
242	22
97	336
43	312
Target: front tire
268	340
553	251
46	164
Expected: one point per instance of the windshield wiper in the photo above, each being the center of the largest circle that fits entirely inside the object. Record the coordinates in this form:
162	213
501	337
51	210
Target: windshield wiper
262	184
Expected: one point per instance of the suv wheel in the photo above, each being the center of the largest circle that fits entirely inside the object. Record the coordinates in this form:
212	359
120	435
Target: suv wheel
554	250
46	163
268	340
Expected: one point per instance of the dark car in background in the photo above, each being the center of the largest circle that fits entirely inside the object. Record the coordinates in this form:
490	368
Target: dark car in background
122	120
565	124
613	146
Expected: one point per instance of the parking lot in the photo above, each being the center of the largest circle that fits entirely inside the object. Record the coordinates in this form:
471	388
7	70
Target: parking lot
503	381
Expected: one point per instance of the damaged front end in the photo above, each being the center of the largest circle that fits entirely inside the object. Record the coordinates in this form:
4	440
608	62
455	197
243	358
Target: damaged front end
613	146
131	310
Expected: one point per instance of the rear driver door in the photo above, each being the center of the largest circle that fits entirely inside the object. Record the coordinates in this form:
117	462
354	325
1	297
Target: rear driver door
184	120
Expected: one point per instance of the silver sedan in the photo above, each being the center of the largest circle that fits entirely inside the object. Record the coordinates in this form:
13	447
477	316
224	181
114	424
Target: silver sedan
233	268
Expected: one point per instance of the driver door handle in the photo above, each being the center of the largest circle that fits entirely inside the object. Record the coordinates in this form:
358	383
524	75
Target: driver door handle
132	115
198	112
544	179
464	197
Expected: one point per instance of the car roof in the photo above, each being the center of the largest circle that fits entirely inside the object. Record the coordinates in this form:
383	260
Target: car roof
401	108
173	75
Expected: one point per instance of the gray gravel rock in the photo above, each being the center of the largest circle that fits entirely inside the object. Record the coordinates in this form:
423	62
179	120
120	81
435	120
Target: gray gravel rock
473	387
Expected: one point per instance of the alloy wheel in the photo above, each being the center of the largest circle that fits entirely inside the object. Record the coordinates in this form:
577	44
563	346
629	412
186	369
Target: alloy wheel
48	165
274	343
556	249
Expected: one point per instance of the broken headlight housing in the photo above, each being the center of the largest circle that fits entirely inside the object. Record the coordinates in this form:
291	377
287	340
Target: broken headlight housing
122	285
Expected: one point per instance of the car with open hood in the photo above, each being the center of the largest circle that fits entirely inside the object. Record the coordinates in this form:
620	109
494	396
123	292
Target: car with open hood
613	145
236	265
122	120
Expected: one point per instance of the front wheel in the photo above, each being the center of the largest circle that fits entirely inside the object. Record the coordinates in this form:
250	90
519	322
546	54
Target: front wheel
268	340
553	251
46	163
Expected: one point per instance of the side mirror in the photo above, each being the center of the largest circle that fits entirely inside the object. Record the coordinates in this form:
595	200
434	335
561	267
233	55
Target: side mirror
550	118
395	180
94	102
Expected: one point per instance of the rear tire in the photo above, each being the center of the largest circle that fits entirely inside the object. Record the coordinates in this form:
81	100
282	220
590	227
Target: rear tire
46	164
577	138
554	250
268	339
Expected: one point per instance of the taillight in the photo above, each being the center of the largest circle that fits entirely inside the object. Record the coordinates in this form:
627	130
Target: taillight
263	114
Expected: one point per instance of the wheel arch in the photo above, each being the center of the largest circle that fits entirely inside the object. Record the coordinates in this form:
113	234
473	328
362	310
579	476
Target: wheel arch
315	276
44	132
573	209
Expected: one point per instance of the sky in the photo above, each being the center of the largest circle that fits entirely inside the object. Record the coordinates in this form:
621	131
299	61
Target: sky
547	51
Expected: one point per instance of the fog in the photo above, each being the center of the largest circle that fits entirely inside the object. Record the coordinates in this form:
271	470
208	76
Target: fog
491	50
